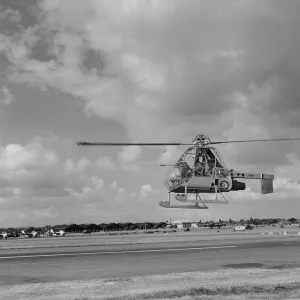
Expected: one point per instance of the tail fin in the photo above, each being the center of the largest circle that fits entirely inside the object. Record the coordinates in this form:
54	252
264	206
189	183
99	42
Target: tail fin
266	186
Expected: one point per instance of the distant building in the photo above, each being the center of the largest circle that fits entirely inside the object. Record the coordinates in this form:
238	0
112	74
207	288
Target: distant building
185	224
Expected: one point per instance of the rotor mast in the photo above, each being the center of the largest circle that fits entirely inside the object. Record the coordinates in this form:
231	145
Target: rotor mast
201	140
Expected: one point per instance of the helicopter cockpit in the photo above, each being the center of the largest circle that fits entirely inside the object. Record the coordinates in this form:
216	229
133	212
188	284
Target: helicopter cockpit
182	171
195	161
207	162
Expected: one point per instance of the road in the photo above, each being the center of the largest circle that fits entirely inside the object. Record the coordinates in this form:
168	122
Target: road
45	265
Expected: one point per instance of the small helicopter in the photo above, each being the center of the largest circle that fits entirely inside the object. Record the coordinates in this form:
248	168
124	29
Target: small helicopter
201	169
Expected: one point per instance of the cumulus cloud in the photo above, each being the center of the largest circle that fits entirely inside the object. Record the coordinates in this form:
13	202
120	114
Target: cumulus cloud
287	185
10	15
128	158
137	87
143	64
37	177
157	79
15	157
171	155
106	163
130	154
79	166
114	184
28	174
94	187
6	97
135	168
148	191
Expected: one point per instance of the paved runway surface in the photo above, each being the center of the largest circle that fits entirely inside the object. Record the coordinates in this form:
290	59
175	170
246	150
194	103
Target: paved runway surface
44	265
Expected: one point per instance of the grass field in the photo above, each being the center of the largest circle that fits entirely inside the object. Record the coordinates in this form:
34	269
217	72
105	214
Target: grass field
229	284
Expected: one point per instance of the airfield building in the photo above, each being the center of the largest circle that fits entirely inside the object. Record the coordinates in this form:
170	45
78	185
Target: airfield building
185	224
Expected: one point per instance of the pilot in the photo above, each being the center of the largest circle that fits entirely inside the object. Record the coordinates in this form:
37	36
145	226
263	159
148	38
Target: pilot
200	165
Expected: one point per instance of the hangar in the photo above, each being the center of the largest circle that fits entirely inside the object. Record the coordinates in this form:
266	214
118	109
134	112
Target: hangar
185	223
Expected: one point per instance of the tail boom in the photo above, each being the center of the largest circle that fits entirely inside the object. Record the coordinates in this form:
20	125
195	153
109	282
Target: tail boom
266	180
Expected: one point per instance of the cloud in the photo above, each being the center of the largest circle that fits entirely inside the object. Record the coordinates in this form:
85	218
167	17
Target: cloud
106	163
9	192
136	88
10	15
218	75
114	184
28	173
94	187
6	97
79	166
128	158
142	65
130	154
171	155
131	168
148	191
287	185
36	177
15	157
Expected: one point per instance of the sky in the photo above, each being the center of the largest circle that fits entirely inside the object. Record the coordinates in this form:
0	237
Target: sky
143	71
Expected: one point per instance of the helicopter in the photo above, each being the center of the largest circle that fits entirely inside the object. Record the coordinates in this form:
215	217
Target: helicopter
200	169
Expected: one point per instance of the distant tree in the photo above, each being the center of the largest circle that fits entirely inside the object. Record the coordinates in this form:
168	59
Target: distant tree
292	220
211	225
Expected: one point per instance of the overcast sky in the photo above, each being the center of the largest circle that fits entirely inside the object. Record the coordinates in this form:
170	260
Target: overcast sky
149	71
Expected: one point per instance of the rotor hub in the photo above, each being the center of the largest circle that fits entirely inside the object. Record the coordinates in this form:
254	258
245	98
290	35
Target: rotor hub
201	140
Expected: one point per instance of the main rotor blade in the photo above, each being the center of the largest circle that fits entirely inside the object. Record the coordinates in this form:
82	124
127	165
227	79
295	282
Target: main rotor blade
250	141
129	144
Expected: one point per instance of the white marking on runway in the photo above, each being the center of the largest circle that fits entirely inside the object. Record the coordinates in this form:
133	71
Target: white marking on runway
114	252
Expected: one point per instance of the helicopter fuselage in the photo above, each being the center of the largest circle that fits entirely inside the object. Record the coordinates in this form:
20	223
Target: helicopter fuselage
178	182
200	169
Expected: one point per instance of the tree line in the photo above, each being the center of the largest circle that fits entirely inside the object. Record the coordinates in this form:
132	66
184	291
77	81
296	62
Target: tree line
255	221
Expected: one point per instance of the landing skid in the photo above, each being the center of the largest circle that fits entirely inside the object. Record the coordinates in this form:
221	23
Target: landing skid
184	198
167	204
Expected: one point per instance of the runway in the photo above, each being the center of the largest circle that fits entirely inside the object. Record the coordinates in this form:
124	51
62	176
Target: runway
59	264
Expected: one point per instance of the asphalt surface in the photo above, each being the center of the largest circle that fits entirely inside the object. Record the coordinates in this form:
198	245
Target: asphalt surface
114	261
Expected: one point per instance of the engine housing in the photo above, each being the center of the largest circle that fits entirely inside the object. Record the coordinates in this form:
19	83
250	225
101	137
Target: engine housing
238	186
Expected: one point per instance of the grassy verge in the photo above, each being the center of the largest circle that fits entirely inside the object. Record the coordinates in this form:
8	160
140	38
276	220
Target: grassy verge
236	284
280	291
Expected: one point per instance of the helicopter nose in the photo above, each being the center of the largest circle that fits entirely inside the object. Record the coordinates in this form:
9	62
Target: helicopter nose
173	179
